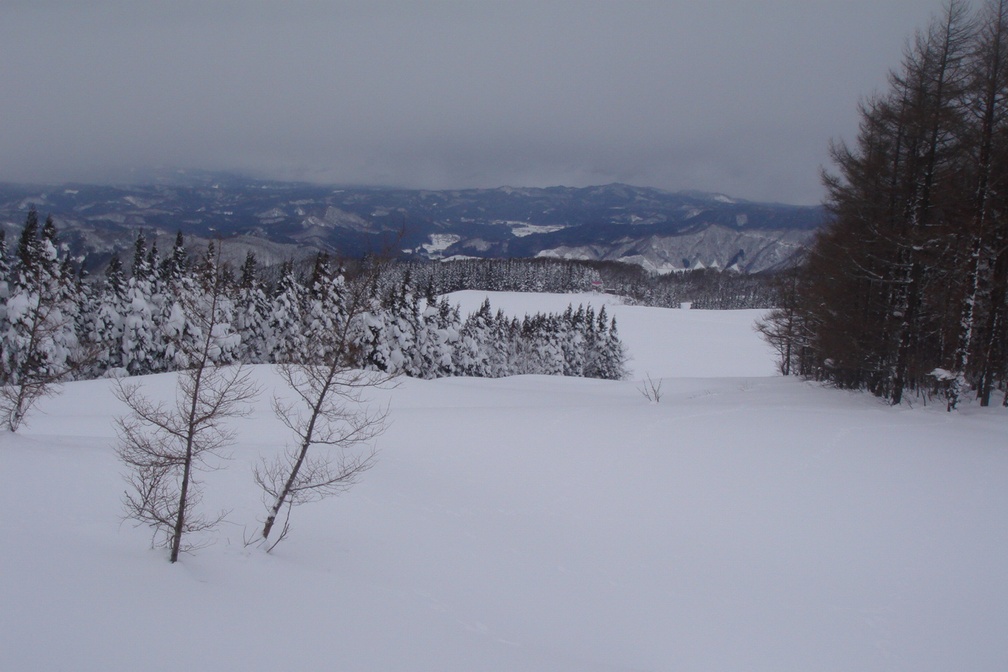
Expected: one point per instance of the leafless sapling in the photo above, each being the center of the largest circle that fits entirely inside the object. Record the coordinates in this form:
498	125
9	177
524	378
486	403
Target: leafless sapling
164	445
651	389
327	411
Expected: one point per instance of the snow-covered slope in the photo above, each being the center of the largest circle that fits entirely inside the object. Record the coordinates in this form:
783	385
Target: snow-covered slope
745	522
660	342
711	247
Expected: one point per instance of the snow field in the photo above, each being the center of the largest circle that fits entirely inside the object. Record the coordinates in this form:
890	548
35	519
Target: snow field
705	343
538	523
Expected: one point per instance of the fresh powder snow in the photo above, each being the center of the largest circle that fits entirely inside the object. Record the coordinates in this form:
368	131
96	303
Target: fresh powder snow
744	522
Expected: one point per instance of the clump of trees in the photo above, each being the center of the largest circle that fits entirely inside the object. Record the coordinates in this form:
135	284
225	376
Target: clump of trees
710	288
58	324
39	307
904	293
500	275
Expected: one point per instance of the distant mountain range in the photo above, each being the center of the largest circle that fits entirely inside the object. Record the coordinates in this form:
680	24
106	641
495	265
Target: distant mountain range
658	230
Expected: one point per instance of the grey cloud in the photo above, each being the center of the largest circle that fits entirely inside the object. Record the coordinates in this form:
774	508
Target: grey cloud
741	97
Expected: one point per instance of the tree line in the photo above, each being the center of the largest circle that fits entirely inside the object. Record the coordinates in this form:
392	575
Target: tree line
56	323
709	289
904	292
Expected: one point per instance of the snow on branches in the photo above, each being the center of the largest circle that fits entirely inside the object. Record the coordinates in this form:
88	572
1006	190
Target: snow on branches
144	320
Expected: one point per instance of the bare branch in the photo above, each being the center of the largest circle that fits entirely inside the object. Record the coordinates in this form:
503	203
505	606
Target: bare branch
163	446
329	413
651	389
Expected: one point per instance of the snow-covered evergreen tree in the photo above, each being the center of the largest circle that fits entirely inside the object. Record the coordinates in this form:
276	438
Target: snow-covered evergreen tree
176	265
189	298
503	353
399	331
105	328
573	337
38	334
252	310
596	334
5	269
472	351
324	311
286	318
615	359
141	351
38	339
442	323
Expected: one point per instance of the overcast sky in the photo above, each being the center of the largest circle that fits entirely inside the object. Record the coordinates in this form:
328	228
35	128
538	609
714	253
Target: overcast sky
740	97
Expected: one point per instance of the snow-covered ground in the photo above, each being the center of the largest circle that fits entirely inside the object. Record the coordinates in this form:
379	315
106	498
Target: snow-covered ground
675	343
745	522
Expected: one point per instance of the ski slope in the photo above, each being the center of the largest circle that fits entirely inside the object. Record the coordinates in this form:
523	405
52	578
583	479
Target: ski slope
745	522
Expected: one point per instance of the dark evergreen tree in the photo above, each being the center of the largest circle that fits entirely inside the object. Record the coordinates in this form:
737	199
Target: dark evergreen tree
176	265
28	251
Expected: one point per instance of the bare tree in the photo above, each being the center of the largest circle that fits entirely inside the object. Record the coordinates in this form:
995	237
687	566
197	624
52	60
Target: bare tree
900	291
328	413
980	352
164	445
651	389
781	328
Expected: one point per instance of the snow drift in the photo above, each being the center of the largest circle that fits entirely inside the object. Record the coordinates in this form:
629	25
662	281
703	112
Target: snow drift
539	523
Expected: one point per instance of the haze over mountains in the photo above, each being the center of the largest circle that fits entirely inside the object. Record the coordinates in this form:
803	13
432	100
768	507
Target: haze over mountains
659	230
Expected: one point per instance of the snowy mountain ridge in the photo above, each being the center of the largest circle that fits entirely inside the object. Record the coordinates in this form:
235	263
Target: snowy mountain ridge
654	228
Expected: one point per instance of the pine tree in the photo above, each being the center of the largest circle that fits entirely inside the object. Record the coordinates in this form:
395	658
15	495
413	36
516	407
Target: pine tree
28	250
5	270
573	339
441	325
141	341
615	359
176	265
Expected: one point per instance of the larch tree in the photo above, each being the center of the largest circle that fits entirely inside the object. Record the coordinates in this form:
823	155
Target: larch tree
165	445
326	407
904	291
